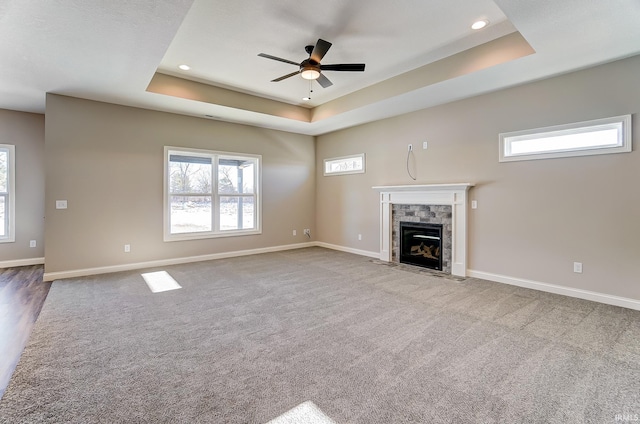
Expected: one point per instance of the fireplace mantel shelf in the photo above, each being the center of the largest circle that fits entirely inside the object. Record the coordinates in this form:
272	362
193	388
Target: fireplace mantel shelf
454	195
425	187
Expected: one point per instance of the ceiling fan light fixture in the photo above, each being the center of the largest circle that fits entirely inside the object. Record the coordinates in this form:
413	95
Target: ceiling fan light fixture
310	73
480	24
311	69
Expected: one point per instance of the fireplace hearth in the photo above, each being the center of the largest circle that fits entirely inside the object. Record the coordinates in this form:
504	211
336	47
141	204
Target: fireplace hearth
421	244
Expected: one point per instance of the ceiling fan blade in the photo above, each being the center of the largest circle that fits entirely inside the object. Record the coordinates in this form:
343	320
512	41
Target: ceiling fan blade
320	50
285	76
352	67
279	59
324	81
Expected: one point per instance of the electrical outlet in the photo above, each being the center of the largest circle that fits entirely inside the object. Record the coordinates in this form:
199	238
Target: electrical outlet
127	248
424	145
307	232
359	236
410	147
474	204
32	243
295	232
61	204
577	267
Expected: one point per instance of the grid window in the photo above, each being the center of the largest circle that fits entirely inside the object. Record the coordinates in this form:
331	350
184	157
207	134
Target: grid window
7	193
210	194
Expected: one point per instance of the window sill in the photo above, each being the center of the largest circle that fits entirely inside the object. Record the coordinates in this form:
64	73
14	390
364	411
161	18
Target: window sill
201	236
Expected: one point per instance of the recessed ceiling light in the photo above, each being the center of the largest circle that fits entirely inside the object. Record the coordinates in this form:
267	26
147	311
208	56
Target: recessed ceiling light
184	67
480	24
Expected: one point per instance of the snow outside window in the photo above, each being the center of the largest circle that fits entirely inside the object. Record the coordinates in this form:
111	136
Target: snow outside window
210	194
7	193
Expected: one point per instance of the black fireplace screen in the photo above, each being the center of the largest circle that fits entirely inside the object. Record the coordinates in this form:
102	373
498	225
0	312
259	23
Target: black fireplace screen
421	244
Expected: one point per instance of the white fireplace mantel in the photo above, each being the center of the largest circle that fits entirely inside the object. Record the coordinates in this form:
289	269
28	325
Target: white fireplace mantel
454	195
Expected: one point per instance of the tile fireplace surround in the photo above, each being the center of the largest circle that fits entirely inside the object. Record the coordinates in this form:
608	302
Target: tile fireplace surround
454	195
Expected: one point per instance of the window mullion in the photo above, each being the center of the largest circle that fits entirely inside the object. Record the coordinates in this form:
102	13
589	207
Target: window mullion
215	197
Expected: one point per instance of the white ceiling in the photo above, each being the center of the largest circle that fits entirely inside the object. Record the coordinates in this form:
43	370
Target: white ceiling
110	51
221	41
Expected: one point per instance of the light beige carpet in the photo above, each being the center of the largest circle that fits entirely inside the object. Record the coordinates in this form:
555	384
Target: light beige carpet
247	339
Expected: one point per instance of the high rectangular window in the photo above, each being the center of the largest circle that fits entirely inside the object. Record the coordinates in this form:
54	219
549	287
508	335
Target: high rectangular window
210	194
7	193
344	165
596	137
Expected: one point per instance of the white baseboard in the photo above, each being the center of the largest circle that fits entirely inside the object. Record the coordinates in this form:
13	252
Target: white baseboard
375	255
520	282
50	276
21	262
624	302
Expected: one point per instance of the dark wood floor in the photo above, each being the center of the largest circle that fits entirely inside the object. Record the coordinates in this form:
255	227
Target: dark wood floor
22	294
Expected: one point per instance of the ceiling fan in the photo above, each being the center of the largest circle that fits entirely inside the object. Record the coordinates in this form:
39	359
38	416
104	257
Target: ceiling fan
311	68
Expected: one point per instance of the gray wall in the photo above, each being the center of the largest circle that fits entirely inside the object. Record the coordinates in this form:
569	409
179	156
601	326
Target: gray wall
107	162
26	132
534	218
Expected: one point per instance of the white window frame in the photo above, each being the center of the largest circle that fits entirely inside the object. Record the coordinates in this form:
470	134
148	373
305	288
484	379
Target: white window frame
215	195
345	158
620	123
9	222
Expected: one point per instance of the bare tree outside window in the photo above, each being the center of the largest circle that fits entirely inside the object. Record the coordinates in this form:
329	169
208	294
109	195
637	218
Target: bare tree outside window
6	193
211	193
190	187
3	171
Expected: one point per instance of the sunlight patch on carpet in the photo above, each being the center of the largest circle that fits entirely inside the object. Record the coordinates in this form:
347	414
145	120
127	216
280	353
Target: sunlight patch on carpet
160	281
305	413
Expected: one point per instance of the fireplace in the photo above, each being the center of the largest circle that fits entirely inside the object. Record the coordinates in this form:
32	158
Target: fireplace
424	216
413	197
421	244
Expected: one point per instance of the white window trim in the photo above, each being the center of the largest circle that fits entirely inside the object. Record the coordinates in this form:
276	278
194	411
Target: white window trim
623	146
10	236
360	171
215	233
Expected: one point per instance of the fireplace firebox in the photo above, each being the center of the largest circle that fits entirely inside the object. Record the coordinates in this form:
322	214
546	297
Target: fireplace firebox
421	244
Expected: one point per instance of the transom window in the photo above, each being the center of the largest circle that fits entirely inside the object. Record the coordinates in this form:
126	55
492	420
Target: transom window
596	137
210	194
7	193
344	165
